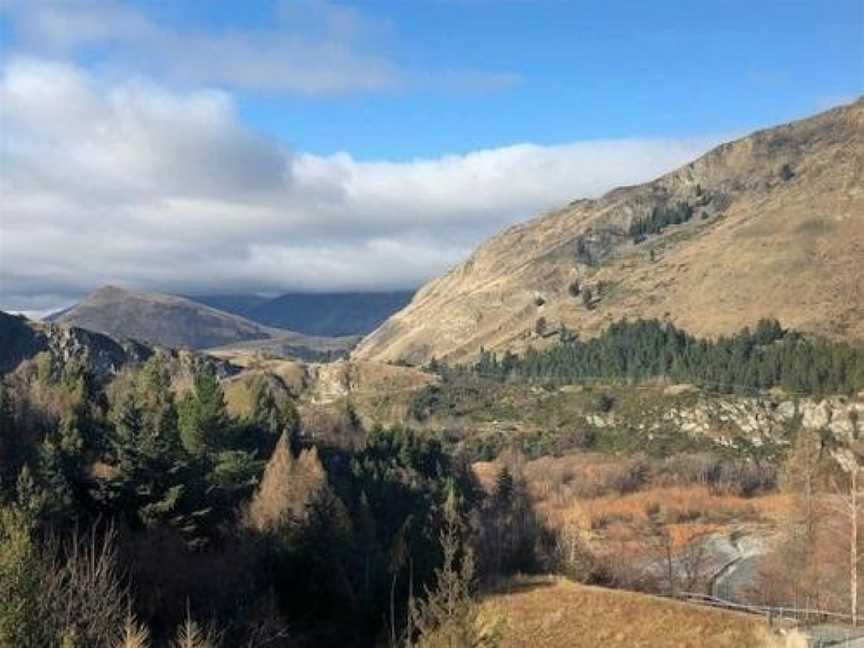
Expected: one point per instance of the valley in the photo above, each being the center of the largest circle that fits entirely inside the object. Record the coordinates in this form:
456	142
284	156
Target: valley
603	425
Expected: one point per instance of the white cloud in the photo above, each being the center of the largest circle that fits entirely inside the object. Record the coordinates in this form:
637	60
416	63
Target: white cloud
135	184
311	47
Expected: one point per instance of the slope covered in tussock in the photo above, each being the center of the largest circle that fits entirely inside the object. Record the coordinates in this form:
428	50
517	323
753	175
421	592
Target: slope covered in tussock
770	225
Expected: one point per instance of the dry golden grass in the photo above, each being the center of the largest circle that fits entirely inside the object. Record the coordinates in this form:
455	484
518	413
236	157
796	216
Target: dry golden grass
687	510
784	249
556	613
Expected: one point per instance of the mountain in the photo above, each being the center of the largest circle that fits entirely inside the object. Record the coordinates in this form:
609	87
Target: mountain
770	225
21	339
180	323
236	304
159	319
325	314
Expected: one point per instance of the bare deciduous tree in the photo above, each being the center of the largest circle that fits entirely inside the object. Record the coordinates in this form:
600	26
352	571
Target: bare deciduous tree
850	500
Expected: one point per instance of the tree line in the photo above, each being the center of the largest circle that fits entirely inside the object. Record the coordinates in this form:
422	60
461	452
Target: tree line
632	351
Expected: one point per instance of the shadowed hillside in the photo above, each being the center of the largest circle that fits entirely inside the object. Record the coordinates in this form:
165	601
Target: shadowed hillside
328	314
180	323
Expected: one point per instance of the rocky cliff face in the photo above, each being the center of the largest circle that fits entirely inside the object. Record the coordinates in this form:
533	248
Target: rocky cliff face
21	339
771	225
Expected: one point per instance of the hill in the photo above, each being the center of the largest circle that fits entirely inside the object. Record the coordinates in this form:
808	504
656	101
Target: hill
320	314
180	323
770	225
159	319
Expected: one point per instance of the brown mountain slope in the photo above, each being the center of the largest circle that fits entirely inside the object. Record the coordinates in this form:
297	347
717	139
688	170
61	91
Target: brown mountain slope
180	323
777	230
159	319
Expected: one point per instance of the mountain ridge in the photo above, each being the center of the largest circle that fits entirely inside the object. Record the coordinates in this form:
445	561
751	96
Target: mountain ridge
319	314
769	225
180	323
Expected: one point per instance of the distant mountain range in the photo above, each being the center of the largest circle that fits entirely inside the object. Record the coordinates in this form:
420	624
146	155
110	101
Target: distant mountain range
160	319
304	326
180	323
324	314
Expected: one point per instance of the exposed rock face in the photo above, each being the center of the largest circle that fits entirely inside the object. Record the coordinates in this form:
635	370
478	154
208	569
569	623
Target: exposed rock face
771	225
732	421
21	339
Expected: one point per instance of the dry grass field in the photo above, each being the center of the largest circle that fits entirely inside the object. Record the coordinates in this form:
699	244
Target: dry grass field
556	613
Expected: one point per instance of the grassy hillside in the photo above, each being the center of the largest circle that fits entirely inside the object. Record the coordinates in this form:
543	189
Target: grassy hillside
159	319
180	323
556	613
771	225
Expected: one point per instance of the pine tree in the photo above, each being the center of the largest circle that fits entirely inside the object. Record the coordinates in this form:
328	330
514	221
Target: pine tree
19	580
503	493
203	418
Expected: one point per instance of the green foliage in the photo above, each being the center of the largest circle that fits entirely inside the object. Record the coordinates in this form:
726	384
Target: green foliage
45	368
236	472
173	476
510	531
19	580
151	484
9	440
59	472
636	351
203	416
272	416
604	403
660	219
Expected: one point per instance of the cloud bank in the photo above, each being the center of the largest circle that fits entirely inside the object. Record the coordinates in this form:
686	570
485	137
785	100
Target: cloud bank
137	184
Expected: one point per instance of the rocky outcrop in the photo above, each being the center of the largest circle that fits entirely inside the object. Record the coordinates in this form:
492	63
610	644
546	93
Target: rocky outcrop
733	421
771	225
21	339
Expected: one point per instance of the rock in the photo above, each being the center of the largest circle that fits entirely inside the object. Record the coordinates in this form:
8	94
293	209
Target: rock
677	390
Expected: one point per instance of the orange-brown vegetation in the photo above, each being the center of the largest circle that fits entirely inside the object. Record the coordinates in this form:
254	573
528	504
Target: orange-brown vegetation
288	485
622	521
556	613
604	495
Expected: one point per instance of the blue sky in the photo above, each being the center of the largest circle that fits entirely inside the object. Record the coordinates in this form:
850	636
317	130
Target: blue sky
590	70
569	70
304	134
